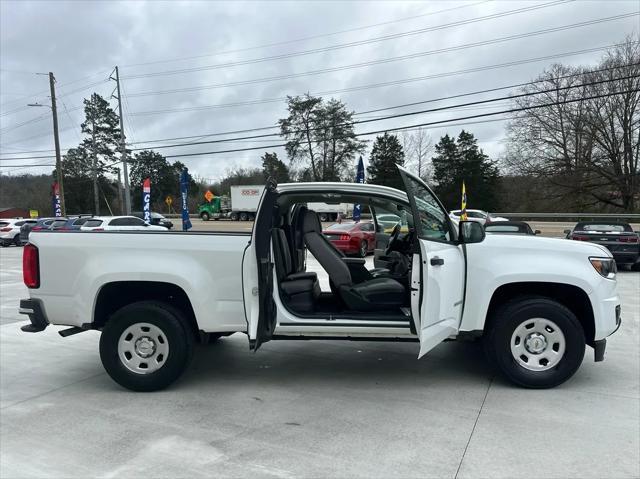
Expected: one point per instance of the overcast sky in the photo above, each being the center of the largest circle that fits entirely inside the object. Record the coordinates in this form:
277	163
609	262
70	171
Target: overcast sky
81	42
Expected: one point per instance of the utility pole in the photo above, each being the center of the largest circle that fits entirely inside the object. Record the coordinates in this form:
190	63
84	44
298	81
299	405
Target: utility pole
120	196
56	139
123	147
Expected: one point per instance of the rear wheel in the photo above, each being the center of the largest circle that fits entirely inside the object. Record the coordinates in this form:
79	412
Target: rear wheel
244	216
205	216
323	217
146	346
16	240
535	342
234	216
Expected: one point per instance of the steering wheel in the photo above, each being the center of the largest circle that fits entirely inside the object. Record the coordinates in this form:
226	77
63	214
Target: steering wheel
395	232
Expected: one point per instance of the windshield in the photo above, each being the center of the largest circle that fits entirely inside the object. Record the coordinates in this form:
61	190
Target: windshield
504	229
93	223
341	227
604	228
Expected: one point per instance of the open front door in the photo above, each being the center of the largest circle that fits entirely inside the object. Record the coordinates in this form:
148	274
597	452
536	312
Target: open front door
257	273
438	272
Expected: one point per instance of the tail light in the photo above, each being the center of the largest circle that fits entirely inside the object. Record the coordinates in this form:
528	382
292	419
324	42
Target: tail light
345	237
8	228
580	238
30	266
628	239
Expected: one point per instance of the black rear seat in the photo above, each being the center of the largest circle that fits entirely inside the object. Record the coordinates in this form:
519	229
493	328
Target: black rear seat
300	289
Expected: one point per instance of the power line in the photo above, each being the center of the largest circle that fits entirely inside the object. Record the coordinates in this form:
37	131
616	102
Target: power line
460	106
377	85
417	125
303	39
399	115
346	45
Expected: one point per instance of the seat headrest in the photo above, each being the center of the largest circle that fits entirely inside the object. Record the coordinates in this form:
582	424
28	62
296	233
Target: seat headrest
311	222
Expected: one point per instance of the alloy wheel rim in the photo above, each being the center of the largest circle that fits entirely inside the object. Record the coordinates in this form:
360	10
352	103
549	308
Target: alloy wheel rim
143	348
538	344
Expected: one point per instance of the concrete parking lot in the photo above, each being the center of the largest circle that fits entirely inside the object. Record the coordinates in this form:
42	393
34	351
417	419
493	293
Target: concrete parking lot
312	409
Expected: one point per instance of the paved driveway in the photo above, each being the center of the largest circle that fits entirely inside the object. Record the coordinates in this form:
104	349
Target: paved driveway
312	409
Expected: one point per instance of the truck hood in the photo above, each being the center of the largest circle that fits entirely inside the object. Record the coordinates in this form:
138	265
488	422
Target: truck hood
537	244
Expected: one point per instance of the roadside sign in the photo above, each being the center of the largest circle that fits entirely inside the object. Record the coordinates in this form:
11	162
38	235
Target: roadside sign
33	213
209	196
168	200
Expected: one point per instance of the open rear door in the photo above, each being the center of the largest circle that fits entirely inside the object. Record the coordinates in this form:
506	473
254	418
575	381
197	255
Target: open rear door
438	272
257	273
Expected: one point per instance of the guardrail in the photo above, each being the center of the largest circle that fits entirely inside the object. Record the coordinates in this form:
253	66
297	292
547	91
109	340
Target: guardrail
634	217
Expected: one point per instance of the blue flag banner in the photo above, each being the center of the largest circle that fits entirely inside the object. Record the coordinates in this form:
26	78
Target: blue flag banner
146	199
357	208
55	199
184	191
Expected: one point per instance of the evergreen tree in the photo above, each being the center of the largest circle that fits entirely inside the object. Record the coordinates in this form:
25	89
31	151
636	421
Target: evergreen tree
273	167
320	136
462	160
165	178
386	153
97	152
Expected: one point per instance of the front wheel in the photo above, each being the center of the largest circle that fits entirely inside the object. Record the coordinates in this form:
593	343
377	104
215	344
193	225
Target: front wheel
205	216
535	342
146	346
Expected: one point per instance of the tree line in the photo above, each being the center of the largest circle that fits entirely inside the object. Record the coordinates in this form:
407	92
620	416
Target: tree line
574	145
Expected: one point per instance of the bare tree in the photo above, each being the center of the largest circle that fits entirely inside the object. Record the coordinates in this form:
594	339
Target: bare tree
417	146
587	147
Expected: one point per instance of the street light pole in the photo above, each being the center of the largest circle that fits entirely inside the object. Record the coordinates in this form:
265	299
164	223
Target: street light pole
56	139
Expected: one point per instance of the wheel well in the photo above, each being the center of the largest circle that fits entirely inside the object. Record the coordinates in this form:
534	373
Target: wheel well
572	297
114	296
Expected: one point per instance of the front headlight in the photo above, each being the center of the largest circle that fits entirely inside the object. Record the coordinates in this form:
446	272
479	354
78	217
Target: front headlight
605	266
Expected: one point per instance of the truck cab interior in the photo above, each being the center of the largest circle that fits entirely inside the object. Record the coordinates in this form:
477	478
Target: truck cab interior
355	290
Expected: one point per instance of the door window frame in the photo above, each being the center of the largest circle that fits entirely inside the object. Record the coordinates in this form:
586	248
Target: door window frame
416	215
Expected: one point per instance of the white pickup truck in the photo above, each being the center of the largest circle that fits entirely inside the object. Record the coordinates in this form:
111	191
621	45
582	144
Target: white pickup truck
535	302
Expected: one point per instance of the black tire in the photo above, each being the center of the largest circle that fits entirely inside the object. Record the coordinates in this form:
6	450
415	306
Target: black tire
517	312
179	337
244	216
234	217
205	216
363	249
16	240
3	244
323	217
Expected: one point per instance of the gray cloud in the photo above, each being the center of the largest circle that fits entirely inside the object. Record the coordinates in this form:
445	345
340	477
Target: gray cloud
84	40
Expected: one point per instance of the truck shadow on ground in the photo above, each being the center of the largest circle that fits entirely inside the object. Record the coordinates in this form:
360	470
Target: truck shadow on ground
338	364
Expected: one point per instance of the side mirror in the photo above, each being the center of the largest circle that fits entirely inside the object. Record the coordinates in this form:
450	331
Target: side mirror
567	232
470	232
379	228
537	232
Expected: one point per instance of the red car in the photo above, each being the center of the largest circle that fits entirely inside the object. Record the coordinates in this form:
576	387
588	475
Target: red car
352	238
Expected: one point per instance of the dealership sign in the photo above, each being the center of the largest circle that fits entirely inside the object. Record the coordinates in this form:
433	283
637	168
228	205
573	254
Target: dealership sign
146	199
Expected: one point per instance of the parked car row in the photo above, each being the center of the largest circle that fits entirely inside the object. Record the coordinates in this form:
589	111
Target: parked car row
17	231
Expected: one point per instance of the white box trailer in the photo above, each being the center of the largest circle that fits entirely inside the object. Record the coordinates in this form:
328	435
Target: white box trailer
244	202
329	212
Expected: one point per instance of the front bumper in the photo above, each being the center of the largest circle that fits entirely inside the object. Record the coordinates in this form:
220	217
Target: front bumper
34	309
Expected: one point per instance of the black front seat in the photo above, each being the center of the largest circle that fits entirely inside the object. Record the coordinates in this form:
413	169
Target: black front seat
372	295
300	289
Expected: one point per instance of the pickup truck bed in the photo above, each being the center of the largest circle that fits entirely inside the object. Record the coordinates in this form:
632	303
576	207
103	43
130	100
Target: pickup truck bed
195	262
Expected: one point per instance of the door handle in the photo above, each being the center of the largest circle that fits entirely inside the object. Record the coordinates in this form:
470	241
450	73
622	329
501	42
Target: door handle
435	261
